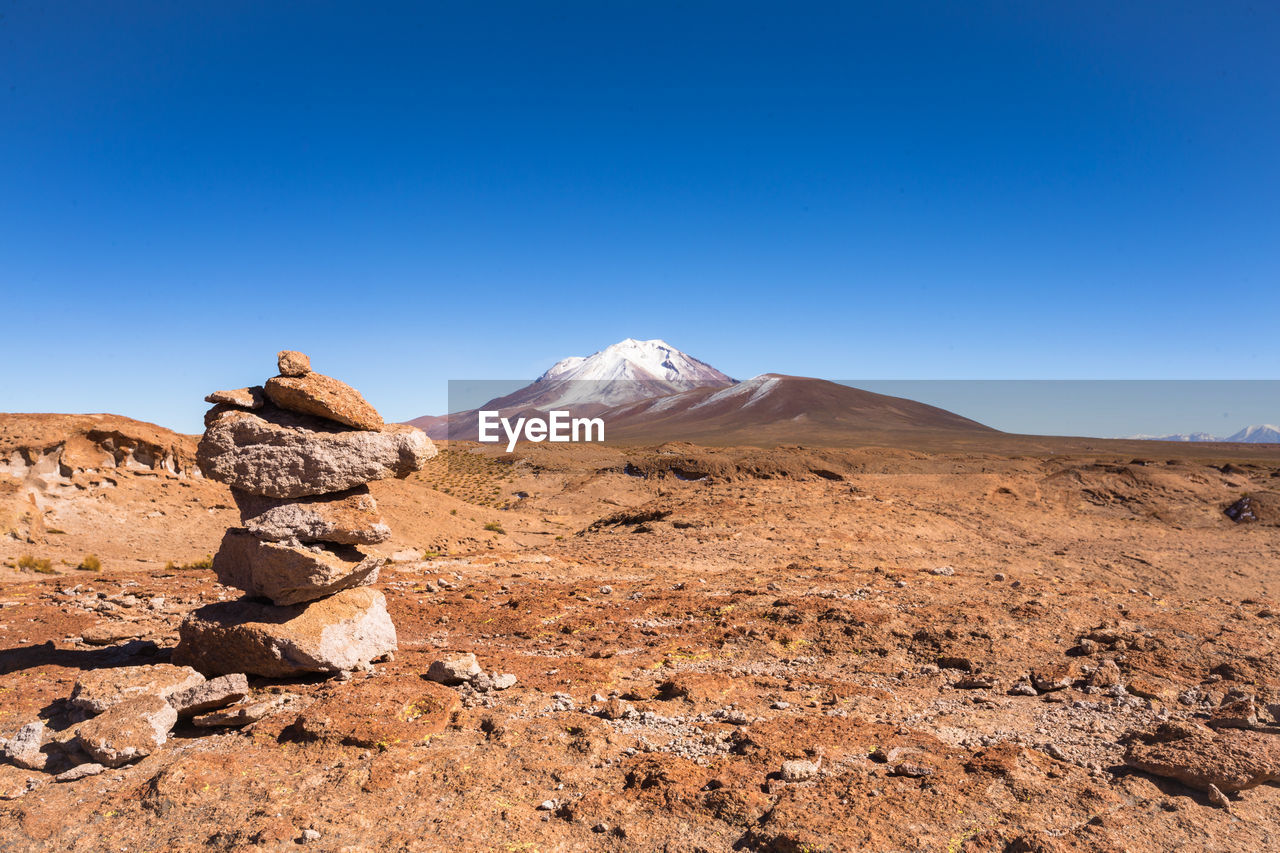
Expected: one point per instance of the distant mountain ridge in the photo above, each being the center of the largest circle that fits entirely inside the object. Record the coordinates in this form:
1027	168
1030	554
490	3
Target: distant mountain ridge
1255	434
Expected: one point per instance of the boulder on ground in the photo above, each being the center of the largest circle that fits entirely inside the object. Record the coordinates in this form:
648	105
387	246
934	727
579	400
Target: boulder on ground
281	454
1230	760
291	574
347	518
324	397
99	689
343	632
128	731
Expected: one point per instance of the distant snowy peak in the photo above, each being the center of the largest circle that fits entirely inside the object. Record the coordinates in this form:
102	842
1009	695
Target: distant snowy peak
642	361
1256	434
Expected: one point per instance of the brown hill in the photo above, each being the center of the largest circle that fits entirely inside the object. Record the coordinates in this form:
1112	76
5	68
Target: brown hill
774	408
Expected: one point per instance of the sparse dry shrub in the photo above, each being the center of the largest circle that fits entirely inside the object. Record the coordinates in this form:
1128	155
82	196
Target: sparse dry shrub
29	563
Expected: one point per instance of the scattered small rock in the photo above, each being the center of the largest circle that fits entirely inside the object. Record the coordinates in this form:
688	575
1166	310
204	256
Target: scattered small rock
1218	798
1084	648
911	770
80	771
1049	678
799	771
617	709
455	670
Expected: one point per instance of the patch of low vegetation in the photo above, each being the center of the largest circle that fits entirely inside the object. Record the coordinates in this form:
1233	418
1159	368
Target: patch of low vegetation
90	563
471	477
28	563
494	527
206	563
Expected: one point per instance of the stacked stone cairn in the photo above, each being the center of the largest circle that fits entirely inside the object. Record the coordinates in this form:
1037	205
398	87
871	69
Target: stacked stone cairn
298	454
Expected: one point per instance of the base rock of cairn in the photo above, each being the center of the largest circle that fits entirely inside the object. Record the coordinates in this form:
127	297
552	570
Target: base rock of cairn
298	455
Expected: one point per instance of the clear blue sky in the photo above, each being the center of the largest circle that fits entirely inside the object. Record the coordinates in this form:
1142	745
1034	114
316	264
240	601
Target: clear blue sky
423	191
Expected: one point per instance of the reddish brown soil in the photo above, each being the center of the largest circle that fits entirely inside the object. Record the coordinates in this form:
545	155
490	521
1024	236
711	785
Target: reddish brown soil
785	607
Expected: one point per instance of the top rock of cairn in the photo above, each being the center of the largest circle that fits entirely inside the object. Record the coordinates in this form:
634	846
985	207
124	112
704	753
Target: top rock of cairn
293	363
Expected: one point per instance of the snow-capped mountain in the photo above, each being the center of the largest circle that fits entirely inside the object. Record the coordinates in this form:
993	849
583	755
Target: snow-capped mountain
1256	434
626	372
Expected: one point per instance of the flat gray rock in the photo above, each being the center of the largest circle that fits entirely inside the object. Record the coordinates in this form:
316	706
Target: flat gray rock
214	693
99	689
291	574
249	712
347	518
281	454
80	771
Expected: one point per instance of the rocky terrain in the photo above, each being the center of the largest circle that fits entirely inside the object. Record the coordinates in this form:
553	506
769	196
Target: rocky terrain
982	648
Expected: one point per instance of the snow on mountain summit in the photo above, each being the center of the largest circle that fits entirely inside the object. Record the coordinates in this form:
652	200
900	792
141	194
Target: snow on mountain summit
628	371
1258	434
645	361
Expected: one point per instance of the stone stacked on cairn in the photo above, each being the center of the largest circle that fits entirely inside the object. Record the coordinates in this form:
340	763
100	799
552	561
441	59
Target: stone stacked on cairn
298	454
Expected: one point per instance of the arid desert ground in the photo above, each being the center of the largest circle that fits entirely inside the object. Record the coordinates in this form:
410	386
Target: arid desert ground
1013	646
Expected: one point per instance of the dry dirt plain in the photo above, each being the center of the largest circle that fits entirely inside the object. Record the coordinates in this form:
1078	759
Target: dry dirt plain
945	650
